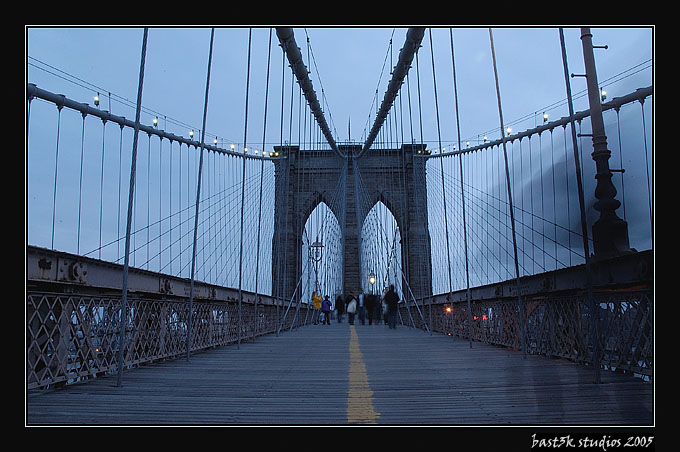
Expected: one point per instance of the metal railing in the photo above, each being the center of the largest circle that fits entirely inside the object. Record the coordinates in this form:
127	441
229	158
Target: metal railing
558	317
73	321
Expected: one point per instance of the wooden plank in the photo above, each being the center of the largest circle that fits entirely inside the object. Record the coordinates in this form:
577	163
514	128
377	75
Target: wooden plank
418	379
303	377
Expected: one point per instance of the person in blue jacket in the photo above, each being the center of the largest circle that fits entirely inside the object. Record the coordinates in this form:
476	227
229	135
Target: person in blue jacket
326	309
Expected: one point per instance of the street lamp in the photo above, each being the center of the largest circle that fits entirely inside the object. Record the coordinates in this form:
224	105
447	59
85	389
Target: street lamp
371	280
315	255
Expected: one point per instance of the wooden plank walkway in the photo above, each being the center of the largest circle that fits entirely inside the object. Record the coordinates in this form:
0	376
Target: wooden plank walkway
341	374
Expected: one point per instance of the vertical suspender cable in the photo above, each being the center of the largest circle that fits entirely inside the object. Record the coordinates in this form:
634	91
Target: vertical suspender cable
80	182
243	194
462	193
649	189
259	217
276	247
509	190
300	174
288	167
170	258
618	129
160	205
581	199
198	195
101	187
422	143
123	311
405	250
148	198
56	172
441	167
120	171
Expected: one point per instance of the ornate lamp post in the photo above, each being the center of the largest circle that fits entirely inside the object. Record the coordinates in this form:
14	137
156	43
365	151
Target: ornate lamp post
315	254
610	233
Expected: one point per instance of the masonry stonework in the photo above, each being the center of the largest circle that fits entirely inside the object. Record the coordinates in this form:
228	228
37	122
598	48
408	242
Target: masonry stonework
395	177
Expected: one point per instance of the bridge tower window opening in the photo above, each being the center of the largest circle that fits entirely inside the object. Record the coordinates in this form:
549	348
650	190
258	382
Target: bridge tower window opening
381	251
321	255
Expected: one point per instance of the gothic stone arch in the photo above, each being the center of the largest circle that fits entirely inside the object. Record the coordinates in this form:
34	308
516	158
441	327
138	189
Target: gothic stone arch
304	178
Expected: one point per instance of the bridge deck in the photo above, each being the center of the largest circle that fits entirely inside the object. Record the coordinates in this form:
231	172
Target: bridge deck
339	374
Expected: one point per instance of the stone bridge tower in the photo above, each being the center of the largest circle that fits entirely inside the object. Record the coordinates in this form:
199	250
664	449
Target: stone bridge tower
395	177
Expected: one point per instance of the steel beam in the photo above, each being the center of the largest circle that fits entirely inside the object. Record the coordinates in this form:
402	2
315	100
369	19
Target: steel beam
61	272
413	38
287	40
617	274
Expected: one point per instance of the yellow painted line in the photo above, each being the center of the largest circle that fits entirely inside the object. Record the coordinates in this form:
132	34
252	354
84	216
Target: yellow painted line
360	396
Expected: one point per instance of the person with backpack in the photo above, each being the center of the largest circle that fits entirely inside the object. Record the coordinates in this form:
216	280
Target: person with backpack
351	309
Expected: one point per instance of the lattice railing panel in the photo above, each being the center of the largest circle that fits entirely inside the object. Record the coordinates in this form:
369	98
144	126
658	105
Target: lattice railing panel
70	337
559	327
74	337
495	322
626	342
562	326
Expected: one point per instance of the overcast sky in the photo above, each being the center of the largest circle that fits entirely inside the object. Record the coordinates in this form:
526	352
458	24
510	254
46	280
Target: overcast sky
348	67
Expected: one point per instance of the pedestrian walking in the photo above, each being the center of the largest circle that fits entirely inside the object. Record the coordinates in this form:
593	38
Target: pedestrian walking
340	307
392	301
316	302
361	308
351	309
370	307
326	309
378	308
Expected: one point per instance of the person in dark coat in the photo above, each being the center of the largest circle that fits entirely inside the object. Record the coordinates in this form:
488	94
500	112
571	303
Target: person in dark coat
392	301
340	307
370	307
